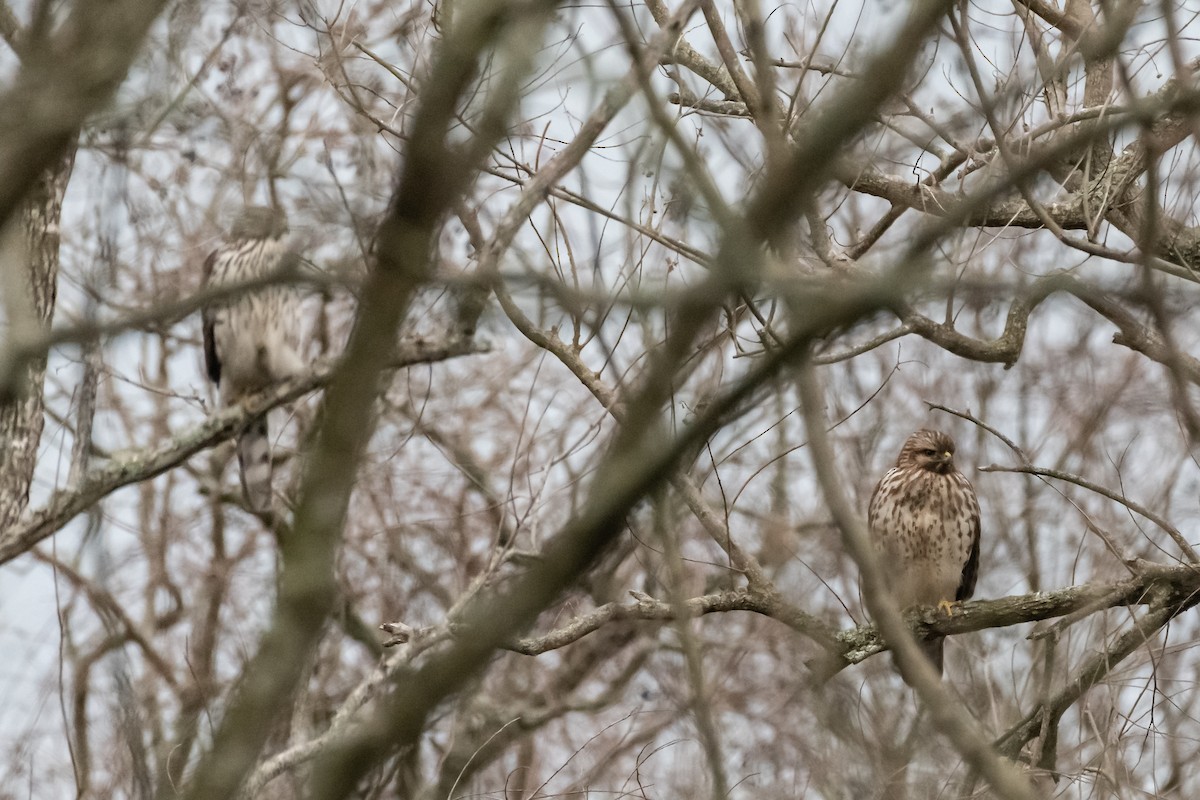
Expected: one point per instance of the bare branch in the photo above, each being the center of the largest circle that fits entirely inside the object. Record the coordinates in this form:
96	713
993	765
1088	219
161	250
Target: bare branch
1176	536
128	468
63	81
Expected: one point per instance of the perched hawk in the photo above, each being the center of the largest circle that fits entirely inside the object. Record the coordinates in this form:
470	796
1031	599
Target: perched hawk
251	342
924	520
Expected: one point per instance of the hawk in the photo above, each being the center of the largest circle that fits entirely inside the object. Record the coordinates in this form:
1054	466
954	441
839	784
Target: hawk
251	341
924	521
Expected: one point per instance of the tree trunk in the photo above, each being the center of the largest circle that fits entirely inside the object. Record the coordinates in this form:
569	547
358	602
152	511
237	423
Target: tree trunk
31	261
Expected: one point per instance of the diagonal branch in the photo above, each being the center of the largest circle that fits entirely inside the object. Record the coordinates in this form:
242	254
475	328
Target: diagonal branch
1045	715
645	607
134	467
1137	508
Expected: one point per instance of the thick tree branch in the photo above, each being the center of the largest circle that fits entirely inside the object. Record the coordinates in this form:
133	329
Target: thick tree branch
1108	193
855	645
860	643
1006	348
645	607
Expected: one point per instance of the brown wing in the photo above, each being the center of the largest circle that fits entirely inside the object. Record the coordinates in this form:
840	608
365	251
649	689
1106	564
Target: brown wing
970	573
873	506
211	362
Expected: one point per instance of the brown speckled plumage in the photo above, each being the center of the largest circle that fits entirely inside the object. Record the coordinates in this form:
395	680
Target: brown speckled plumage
925	522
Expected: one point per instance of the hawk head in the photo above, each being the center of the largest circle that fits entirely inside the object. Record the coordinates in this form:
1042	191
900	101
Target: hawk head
259	222
928	450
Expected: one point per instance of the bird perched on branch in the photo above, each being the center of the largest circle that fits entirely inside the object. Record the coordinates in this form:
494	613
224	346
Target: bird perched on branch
251	341
924	520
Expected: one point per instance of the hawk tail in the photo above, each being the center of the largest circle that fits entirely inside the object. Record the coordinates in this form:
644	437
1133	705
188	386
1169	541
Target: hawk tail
254	458
932	648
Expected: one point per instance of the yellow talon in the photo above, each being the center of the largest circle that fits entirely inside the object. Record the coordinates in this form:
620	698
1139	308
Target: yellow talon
946	606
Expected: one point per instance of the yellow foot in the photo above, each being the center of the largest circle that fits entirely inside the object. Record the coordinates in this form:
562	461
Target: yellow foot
946	607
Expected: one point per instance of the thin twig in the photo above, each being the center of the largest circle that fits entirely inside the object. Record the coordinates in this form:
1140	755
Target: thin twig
967	415
1083	483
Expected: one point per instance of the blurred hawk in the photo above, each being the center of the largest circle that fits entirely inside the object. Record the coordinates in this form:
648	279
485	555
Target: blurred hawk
924	521
251	342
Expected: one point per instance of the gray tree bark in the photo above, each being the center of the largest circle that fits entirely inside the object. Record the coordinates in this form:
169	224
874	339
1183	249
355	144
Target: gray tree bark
28	281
